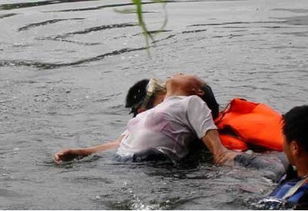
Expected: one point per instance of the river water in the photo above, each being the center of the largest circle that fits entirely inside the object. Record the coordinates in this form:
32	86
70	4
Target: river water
65	67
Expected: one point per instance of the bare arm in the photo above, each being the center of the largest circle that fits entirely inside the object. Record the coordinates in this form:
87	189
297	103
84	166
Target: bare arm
70	154
220	153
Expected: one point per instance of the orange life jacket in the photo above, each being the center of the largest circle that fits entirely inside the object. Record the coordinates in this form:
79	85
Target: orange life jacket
244	125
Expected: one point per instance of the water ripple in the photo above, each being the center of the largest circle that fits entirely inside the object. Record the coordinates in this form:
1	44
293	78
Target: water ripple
96	28
154	32
236	23
70	41
42	65
291	10
296	20
106	6
194	31
99	7
7	15
131	4
35	4
166	38
32	25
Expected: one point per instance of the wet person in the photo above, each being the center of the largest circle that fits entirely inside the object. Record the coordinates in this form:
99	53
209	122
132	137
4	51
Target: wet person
139	99
292	192
243	125
143	95
146	94
250	116
166	130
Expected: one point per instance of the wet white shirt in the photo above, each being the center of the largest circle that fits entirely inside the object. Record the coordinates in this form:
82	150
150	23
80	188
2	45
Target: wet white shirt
169	127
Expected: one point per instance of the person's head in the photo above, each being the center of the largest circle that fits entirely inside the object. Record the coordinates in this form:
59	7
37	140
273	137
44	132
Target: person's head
135	96
184	84
295	130
137	100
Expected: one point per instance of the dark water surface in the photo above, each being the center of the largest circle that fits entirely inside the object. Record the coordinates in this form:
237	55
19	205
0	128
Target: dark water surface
65	67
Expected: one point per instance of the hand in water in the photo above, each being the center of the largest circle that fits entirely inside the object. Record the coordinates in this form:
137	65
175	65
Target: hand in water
68	155
226	158
222	155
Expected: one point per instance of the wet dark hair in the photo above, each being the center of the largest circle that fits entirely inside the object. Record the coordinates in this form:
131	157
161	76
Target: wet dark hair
295	126
210	100
135	96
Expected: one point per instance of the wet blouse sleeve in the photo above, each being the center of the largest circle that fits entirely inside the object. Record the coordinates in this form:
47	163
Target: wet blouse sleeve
199	116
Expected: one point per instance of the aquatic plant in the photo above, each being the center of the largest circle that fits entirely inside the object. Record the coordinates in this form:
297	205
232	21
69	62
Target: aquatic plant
148	35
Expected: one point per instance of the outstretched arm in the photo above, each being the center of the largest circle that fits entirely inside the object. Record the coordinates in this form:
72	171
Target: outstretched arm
220	153
70	154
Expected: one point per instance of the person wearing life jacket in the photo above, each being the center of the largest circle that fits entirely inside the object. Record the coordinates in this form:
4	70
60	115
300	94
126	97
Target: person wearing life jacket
292	191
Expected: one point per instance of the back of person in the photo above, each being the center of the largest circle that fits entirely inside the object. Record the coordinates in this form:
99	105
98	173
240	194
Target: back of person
242	125
169	127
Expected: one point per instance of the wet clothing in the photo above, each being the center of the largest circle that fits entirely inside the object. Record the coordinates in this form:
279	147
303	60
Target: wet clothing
249	125
274	163
169	128
145	156
292	192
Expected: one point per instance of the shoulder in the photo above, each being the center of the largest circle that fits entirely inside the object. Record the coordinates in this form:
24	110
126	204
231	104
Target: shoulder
303	202
195	101
192	102
194	97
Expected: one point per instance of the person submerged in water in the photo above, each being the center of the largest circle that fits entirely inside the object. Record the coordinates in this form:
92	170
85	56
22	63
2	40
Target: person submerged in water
242	125
263	149
292	191
167	129
135	99
164	141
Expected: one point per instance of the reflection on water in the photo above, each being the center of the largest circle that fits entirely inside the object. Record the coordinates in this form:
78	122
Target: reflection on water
65	67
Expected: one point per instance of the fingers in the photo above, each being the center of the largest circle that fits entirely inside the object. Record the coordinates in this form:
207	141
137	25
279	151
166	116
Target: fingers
59	157
66	155
225	158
